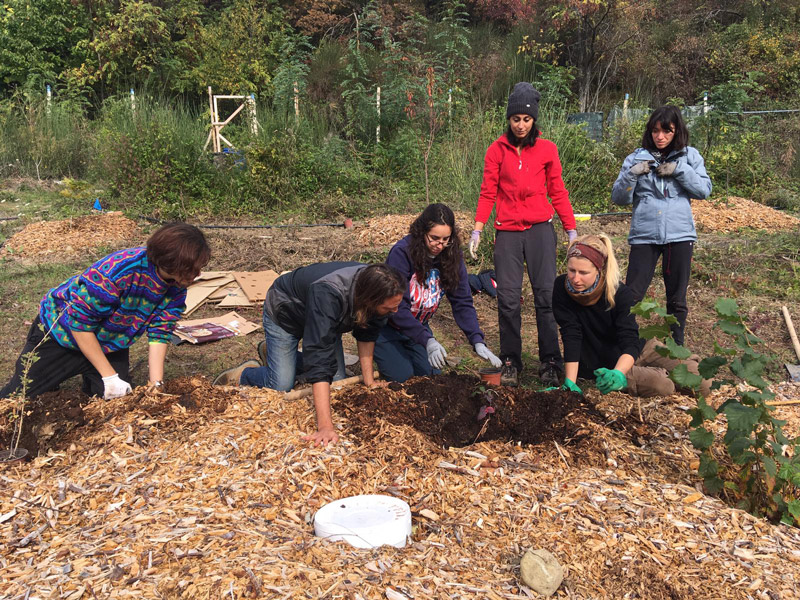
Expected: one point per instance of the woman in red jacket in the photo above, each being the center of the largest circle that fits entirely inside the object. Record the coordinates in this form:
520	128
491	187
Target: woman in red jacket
520	171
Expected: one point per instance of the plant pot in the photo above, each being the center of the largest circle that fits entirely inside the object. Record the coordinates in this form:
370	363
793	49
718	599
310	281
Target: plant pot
490	375
7	456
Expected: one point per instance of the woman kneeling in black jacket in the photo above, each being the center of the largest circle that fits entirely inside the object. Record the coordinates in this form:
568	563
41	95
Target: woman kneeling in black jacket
600	335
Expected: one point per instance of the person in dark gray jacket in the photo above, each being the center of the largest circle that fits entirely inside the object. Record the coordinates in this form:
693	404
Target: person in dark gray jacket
317	304
660	179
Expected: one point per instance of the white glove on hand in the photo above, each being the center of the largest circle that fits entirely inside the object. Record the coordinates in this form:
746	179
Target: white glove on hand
474	241
486	354
572	234
640	168
114	387
436	354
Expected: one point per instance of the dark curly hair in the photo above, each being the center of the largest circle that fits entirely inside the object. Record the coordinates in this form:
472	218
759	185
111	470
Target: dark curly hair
450	257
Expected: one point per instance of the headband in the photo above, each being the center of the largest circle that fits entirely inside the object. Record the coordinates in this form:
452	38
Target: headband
594	256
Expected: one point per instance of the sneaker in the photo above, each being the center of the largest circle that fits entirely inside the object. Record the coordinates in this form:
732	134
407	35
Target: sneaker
508	374
233	375
550	375
262	352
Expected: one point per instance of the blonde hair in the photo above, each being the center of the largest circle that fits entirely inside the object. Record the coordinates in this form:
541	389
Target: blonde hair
602	244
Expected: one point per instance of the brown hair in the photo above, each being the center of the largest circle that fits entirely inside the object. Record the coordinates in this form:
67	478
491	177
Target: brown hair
179	249
669	117
602	244
374	285
450	257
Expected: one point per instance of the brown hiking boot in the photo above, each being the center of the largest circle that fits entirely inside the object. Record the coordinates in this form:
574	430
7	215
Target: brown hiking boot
262	352
550	375
233	375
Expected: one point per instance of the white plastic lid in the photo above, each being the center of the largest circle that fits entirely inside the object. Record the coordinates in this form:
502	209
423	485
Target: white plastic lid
366	521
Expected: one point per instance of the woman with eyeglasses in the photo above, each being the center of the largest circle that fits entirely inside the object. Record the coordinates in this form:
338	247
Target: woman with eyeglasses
86	325
659	180
520	171
431	261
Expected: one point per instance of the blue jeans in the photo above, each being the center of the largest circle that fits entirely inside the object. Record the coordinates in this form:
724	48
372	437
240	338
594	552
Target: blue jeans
399	357
284	361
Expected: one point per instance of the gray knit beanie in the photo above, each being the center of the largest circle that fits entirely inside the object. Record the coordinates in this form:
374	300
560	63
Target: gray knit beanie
523	100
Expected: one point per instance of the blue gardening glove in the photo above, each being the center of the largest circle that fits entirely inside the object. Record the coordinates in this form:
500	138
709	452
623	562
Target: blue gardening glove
610	380
571	386
572	234
666	169
486	354
436	354
474	241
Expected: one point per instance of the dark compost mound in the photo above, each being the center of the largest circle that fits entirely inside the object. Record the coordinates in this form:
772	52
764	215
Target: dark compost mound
458	410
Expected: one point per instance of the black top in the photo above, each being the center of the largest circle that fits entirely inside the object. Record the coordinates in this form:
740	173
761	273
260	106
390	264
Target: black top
315	303
592	335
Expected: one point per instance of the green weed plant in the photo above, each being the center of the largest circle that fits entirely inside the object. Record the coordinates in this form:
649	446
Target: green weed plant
763	476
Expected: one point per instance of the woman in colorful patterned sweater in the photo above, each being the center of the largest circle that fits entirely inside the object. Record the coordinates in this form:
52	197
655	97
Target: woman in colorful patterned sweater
86	325
430	260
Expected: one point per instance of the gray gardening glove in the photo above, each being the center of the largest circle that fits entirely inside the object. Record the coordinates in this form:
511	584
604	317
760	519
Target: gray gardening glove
486	354
572	234
666	169
640	168
436	354
114	387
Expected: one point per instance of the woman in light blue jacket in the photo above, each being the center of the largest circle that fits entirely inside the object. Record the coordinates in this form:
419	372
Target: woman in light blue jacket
660	179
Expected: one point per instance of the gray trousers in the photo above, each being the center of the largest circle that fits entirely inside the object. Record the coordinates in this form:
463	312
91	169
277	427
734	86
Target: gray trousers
535	247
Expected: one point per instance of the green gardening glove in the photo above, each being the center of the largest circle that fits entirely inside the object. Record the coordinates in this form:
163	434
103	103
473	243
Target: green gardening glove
571	386
610	380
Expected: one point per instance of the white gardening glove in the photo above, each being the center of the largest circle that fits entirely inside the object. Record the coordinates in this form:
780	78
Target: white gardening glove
486	354
640	168
474	242
114	387
436	354
572	234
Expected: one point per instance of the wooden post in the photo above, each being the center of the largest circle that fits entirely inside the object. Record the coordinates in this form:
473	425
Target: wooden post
213	134
450	105
296	104
251	108
378	106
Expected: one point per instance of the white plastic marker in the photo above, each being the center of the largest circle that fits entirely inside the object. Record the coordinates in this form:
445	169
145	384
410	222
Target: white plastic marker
366	521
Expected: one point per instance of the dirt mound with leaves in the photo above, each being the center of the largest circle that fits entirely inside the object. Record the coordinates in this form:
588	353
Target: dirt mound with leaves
71	237
726	215
201	492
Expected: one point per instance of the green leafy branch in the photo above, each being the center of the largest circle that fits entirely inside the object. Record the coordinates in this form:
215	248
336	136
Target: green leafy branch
765	476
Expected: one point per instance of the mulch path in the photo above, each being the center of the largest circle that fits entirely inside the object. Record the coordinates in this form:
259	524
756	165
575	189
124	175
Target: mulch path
203	492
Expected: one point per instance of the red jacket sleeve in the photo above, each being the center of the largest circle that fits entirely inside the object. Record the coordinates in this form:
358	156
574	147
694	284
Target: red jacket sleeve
491	178
558	192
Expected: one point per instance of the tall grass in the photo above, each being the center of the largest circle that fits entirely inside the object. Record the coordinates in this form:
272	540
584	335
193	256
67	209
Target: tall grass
43	141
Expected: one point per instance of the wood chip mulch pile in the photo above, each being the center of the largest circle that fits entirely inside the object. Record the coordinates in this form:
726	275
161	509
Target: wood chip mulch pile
70	237
385	231
210	493
726	216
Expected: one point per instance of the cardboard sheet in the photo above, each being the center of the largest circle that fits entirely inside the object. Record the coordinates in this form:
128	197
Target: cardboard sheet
230	320
235	297
256	283
195	296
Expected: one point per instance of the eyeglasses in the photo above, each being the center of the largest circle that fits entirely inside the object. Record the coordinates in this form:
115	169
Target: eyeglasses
445	242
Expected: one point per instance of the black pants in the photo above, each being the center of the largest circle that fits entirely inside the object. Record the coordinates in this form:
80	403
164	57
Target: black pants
676	265
535	246
56	364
